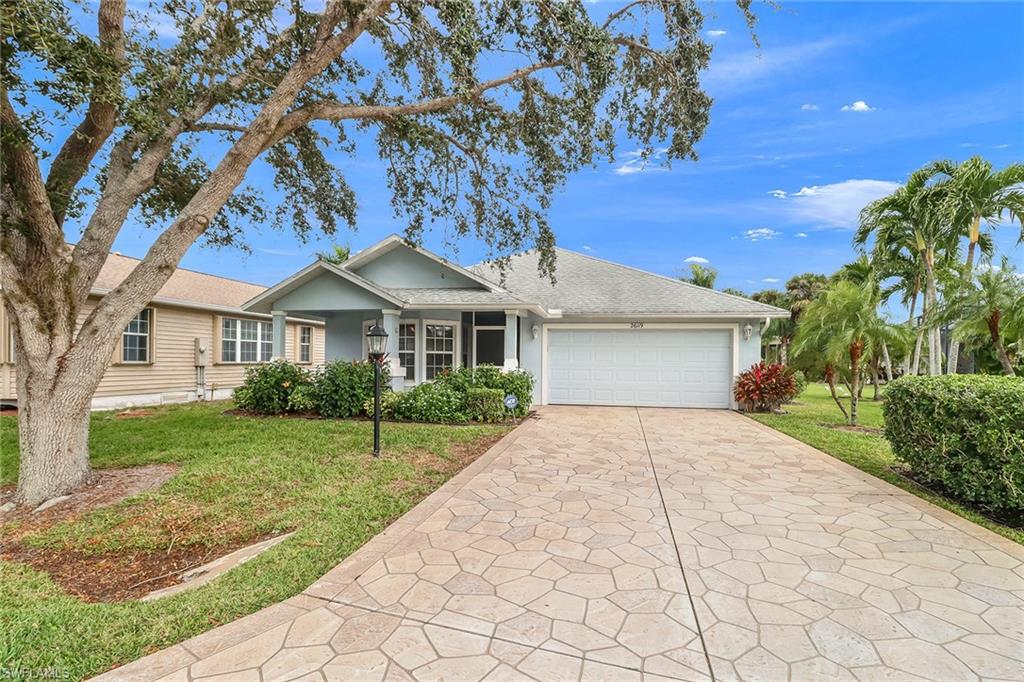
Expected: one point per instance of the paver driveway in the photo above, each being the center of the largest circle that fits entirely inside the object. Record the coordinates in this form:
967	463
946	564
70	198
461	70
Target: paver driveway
615	543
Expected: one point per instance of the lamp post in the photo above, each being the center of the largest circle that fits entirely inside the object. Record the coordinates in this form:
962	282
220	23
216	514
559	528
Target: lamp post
376	342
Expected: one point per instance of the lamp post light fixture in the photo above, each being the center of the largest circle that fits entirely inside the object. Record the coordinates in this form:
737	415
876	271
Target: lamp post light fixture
376	342
748	331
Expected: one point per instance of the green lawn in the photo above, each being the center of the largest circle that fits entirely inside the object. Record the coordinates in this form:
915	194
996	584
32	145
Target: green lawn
239	478
813	418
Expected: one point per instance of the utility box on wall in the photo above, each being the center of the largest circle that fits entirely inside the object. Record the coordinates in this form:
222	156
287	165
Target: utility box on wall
204	347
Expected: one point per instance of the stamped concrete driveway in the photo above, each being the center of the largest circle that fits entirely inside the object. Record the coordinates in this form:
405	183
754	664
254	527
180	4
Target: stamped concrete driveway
618	544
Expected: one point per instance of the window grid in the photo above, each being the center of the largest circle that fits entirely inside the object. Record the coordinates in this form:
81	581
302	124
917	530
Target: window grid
135	338
305	344
407	348
440	348
246	341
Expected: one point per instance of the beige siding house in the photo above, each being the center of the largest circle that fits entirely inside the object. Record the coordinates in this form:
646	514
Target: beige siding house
193	342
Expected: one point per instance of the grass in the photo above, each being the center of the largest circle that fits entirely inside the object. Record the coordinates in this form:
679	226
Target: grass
813	420
239	478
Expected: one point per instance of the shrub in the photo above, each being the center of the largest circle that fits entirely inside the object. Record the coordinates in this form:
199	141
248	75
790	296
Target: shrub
303	399
268	386
433	401
518	383
964	433
800	382
388	404
485	404
342	387
764	387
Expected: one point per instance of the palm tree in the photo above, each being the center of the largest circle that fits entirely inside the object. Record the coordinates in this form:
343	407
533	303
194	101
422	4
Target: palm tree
911	219
701	275
842	327
988	308
983	195
863	273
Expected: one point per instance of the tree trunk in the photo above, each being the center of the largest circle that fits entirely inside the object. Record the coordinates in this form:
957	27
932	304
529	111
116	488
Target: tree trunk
875	379
784	351
54	397
856	348
888	362
915	367
997	341
830	379
931	296
911	358
954	343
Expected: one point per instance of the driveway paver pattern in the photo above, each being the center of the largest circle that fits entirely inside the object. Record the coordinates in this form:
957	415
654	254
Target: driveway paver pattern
621	543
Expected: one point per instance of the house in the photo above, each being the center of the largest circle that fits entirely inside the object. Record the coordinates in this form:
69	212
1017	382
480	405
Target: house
193	341
602	334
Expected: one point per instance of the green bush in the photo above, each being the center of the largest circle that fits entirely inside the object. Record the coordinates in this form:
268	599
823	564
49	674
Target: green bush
268	386
485	404
801	382
518	383
388	404
433	401
303	399
964	433
342	387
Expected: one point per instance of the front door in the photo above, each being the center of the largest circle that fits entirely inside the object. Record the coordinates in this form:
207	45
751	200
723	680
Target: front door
489	345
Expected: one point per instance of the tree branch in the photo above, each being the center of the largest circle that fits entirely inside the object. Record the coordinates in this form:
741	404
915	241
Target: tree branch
74	157
336	111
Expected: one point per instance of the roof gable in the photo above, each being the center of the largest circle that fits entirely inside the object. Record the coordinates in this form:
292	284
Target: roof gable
394	263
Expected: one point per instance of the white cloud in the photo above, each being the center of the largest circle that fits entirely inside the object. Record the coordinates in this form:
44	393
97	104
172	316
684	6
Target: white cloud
760	234
771	280
778	193
634	162
753	68
837	204
588	247
859	105
697	259
716	33
1000	146
800	234
808	107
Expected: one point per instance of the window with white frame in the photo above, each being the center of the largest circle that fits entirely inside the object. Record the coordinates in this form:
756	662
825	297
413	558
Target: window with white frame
305	344
440	347
407	348
246	340
136	339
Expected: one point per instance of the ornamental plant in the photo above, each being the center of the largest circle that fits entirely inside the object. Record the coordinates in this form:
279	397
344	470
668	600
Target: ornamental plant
268	387
764	387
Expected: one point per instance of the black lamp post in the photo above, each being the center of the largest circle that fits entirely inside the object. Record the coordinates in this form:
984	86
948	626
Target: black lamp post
376	342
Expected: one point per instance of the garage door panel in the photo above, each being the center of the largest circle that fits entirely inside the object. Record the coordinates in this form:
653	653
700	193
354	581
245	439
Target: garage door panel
678	368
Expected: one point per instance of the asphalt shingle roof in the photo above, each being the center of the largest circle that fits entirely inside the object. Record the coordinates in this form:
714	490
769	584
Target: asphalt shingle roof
590	286
454	296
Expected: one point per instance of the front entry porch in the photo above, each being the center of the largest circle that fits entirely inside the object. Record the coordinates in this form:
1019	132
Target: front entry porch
421	343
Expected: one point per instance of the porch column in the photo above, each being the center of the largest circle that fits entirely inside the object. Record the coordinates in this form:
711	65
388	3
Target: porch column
511	330
278	331
389	320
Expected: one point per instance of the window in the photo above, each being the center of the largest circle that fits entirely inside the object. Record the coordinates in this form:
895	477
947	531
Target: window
407	348
135	339
246	340
440	348
305	344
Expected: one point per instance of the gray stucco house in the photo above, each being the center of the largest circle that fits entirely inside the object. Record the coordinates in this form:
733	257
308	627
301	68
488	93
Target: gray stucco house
603	334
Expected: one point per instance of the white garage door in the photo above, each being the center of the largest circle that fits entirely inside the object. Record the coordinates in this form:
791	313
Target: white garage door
654	367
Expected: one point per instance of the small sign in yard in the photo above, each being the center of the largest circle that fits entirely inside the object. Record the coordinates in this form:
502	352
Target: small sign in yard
510	403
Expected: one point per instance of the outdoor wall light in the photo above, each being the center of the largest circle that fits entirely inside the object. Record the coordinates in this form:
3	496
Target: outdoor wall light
535	330
748	330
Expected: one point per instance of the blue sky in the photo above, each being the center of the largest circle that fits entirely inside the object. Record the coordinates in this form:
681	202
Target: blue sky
841	102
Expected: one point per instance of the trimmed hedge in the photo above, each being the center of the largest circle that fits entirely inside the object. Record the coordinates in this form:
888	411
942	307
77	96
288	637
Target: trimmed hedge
964	433
518	383
485	404
432	402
